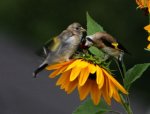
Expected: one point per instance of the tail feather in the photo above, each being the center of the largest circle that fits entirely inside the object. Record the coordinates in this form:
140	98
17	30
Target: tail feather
39	69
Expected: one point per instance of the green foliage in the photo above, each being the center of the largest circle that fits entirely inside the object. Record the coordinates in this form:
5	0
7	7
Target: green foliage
95	51
94	54
134	73
89	108
97	57
92	26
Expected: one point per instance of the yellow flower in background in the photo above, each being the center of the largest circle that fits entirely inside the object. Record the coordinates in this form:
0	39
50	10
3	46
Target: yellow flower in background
88	78
148	47
148	38
147	28
143	4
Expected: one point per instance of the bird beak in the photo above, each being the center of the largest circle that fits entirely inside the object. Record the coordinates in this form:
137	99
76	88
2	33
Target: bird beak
89	39
83	30
88	42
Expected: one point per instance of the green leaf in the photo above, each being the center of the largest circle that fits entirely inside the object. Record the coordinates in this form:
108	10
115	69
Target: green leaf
134	73
89	108
93	26
95	51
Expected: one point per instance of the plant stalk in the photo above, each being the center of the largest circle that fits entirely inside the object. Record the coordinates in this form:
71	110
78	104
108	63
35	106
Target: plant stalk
125	99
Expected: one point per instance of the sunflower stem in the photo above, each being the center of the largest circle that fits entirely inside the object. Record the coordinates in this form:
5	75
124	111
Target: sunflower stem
125	99
121	73
126	104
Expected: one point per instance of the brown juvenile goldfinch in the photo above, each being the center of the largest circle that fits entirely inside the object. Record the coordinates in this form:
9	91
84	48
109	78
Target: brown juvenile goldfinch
62	47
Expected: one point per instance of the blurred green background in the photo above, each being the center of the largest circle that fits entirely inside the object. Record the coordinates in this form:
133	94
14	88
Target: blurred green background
38	21
33	22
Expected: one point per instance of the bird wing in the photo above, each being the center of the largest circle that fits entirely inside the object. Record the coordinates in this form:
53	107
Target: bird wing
120	46
115	45
51	46
54	44
65	35
107	42
65	40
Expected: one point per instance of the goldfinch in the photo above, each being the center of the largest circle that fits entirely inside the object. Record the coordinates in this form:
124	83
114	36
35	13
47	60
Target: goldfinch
62	47
108	45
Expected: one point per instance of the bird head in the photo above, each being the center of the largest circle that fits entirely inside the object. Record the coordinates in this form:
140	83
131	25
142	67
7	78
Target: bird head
92	39
76	28
89	40
100	39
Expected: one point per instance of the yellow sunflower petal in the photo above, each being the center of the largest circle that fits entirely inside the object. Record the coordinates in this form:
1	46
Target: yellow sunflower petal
54	73
139	2
83	76
76	62
99	77
52	67
84	90
63	77
65	84
105	92
147	28
116	96
75	73
111	88
148	47
148	38
82	64
72	86
57	72
95	94
92	68
143	3
58	65
120	87
115	82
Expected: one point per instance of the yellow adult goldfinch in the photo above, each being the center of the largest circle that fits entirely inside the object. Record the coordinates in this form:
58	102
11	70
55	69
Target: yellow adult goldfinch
62	47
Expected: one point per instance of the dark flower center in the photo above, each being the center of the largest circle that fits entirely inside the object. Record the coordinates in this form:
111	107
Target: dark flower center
92	76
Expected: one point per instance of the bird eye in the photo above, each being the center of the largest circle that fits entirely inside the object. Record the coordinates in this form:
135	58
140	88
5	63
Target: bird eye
77	28
89	39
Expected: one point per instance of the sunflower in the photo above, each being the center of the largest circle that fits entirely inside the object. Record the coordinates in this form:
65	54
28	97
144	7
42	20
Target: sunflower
143	4
147	28
88	78
148	47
